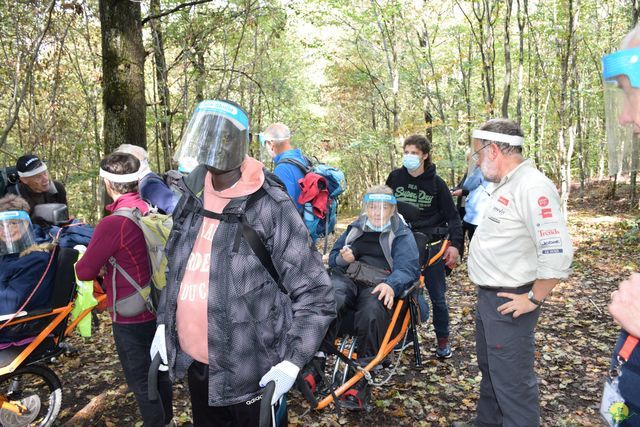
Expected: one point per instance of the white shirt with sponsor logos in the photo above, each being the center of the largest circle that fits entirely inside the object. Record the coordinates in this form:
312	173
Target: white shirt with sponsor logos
523	235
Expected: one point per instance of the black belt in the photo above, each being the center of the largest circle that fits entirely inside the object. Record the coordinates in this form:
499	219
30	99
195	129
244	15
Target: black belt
504	289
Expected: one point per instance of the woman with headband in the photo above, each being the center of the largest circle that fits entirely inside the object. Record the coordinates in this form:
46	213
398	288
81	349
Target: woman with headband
120	239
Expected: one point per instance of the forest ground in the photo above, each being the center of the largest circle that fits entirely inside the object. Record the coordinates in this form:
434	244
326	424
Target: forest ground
574	339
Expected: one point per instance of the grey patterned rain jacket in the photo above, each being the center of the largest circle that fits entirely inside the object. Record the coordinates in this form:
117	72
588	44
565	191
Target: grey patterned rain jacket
252	324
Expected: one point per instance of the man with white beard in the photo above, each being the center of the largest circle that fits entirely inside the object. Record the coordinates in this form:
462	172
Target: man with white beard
519	253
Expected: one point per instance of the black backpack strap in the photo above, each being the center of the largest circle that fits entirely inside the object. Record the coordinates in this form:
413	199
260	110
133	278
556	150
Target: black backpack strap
304	168
250	234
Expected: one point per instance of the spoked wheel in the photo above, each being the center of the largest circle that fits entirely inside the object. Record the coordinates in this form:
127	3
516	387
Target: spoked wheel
36	391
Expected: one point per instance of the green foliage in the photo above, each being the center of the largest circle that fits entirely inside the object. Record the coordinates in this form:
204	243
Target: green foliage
351	79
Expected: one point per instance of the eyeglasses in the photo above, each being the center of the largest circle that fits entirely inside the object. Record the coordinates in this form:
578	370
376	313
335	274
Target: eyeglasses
476	155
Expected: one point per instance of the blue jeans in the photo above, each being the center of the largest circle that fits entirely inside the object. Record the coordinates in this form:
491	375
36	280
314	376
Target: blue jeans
133	342
434	279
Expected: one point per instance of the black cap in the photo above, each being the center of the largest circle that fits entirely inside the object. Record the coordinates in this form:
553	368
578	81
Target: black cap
29	165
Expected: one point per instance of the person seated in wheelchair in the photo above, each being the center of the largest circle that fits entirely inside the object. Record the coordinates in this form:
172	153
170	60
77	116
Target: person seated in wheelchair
371	263
23	264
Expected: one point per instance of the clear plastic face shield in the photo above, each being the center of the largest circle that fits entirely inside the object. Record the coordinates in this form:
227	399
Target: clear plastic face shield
621	76
267	146
217	136
378	209
15	232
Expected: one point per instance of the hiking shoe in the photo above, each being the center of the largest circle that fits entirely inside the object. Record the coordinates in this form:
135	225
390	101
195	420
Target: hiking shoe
444	352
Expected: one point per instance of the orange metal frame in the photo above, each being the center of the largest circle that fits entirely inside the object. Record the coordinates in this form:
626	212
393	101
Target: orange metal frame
388	343
60	314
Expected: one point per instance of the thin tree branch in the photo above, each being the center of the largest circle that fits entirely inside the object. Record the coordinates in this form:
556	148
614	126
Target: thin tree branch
175	9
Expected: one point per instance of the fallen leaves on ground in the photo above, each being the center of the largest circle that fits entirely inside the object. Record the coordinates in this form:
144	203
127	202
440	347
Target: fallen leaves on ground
574	340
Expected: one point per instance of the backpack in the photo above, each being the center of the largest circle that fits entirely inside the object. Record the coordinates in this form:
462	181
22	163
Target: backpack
155	228
8	177
330	178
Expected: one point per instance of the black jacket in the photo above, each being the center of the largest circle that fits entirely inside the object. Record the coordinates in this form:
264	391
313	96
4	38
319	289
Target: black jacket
55	194
251	325
429	193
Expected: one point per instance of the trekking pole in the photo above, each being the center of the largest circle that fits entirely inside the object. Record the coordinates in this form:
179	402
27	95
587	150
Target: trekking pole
152	378
267	415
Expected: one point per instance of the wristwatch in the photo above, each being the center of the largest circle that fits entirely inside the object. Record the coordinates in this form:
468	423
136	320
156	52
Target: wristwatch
533	299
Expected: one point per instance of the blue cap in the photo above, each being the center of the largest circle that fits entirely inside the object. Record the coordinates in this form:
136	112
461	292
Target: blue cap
623	62
9	215
388	198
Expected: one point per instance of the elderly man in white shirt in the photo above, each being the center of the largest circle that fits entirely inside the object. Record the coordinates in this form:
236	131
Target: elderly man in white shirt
520	251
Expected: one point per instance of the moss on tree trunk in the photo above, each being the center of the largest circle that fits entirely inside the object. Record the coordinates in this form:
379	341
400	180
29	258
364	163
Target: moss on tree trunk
123	55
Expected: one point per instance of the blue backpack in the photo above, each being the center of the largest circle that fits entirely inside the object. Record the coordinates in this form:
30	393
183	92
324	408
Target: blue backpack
335	185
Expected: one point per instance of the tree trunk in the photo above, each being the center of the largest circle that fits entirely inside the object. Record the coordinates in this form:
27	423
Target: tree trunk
522	17
507	60
162	86
123	96
201	73
581	145
634	170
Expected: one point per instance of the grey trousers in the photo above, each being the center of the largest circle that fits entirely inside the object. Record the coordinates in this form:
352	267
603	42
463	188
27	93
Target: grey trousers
505	349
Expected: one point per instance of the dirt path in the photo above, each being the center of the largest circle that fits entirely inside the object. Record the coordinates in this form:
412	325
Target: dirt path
574	340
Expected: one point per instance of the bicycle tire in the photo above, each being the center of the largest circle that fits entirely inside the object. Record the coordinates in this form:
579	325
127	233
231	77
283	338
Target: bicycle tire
51	394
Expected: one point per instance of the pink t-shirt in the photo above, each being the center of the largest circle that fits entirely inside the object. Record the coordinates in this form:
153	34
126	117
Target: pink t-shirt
191	314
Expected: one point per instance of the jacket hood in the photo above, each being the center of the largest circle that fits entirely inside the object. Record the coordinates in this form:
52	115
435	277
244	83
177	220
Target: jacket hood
129	200
250	181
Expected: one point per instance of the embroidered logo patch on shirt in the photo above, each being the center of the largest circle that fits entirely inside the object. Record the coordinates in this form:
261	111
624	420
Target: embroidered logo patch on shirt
546	213
503	200
543	201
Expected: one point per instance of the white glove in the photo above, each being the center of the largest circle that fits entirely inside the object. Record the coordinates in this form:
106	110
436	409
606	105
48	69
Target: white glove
284	374
80	248
159	346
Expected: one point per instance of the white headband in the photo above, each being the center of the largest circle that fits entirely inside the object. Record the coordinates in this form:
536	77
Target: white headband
498	137
121	179
33	172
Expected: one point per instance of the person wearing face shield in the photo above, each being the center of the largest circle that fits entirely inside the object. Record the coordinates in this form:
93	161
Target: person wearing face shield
418	184
276	139
520	251
22	263
224	320
621	75
372	263
34	184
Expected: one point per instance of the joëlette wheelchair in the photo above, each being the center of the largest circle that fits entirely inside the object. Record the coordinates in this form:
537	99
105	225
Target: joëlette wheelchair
30	392
346	372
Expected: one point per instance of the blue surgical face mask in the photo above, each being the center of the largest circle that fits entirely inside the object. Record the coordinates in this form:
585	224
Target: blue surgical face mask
411	161
372	227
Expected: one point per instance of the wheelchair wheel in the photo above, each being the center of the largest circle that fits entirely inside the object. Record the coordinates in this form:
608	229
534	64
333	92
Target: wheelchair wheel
35	387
